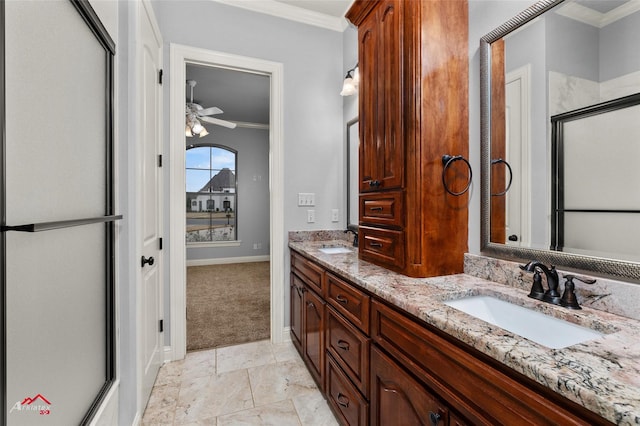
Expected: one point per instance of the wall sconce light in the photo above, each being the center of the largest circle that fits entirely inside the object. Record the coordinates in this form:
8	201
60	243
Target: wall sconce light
351	82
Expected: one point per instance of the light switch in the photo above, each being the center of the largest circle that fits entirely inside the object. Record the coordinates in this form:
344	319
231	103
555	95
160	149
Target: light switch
306	199
311	216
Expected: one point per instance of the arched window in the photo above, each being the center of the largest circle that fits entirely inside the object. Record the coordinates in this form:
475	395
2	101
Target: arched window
211	193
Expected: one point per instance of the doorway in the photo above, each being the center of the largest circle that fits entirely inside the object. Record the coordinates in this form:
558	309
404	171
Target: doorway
227	206
180	57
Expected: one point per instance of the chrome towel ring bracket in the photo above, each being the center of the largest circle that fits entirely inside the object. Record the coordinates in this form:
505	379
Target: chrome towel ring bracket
498	161
447	161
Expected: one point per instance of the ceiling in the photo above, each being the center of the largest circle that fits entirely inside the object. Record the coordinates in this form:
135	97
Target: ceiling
244	96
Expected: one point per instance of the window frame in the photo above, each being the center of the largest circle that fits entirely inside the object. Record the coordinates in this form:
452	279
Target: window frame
219	243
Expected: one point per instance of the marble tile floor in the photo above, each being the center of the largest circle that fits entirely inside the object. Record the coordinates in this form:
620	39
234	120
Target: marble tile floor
255	383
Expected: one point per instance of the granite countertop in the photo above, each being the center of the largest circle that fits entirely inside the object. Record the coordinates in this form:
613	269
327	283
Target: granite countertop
602	375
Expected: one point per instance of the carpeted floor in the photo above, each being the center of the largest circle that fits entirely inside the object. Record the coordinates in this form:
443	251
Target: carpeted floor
227	304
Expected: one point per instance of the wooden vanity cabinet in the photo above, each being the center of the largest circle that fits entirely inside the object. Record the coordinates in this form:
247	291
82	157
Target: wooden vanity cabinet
480	389
378	365
308	310
413	109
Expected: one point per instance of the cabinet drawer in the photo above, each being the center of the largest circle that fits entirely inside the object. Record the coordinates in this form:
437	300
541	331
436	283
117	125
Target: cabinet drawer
382	246
350	349
349	301
348	405
382	209
308	272
483	393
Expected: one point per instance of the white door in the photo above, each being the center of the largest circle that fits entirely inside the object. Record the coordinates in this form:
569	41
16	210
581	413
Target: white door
150	220
517	134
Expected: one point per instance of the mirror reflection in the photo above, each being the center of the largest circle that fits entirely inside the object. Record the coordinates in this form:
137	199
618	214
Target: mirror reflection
564	139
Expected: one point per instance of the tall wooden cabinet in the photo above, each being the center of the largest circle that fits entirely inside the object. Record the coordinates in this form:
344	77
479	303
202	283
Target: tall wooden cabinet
413	60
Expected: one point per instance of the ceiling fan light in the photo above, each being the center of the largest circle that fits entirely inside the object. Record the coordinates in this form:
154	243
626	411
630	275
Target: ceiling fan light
187	132
203	132
196	128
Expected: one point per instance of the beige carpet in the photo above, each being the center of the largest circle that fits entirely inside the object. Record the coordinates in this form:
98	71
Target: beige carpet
227	304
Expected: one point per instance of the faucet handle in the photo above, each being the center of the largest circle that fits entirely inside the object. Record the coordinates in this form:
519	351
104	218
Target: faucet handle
569	299
585	280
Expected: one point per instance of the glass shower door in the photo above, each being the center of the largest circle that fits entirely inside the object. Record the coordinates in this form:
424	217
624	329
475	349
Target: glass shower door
57	213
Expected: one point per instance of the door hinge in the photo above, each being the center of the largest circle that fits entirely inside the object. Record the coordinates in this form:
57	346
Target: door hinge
160	77
160	243
161	326
160	160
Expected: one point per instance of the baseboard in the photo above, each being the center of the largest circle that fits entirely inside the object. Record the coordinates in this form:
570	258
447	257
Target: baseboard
227	260
168	354
286	335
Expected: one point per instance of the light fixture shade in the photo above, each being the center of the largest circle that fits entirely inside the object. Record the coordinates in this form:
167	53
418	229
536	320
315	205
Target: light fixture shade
356	76
187	131
348	88
197	127
203	132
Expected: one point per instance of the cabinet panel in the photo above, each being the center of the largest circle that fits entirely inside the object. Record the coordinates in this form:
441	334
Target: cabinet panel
349	301
313	341
398	399
384	209
350	349
348	405
382	246
308	272
296	302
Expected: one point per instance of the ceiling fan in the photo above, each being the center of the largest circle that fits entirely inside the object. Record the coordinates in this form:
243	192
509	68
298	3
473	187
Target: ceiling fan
195	113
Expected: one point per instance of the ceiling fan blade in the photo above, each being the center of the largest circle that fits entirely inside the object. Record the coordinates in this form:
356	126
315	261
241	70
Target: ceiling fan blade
210	111
219	122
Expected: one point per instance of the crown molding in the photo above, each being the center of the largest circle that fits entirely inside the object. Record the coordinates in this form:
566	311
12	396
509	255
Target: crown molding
597	19
292	13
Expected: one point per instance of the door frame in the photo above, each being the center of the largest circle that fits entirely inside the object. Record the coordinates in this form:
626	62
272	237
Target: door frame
179	56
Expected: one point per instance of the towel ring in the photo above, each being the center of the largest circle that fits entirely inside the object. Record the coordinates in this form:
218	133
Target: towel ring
447	161
497	161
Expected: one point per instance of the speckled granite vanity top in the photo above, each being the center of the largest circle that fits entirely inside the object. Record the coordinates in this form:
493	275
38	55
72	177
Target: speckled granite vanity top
602	375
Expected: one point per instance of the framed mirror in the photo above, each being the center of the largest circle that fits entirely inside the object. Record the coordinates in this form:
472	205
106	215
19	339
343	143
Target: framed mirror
559	85
353	144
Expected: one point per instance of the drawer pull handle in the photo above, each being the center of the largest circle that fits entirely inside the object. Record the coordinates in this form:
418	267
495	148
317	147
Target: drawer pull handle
341	299
375	183
434	418
376	245
344	345
342	400
375	209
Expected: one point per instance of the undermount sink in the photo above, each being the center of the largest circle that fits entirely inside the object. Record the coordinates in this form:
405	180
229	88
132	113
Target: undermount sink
334	250
546	330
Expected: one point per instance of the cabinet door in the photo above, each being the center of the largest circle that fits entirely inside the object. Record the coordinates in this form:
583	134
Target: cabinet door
313	341
381	115
368	67
398	399
297	301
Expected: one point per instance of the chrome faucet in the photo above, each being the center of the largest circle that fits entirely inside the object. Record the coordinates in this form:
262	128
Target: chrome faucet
355	236
537	291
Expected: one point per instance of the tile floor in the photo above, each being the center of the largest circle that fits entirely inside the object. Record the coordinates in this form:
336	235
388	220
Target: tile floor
251	384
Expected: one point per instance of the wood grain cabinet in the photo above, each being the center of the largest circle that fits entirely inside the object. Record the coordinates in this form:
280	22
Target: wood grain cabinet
378	365
413	95
308	315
